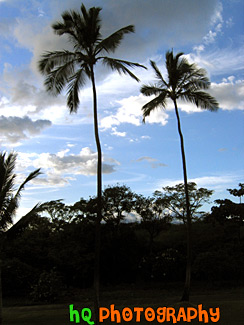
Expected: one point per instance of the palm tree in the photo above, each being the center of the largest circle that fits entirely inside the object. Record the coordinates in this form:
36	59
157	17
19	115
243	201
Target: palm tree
9	202
71	69
186	82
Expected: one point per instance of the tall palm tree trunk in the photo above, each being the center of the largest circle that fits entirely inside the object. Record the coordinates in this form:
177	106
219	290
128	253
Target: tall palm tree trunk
99	204
186	292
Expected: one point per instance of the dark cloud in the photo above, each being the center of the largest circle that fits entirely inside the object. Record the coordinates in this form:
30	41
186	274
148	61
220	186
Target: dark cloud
14	129
20	86
159	25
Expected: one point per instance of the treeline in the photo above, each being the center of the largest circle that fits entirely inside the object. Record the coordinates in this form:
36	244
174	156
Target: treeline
143	239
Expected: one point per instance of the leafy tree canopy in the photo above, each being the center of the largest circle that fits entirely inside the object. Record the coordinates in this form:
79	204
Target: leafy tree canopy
173	199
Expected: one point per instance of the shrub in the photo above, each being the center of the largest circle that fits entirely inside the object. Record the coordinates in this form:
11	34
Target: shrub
48	288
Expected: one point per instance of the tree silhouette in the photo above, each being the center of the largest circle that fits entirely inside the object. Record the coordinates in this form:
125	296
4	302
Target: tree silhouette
173	198
9	202
154	218
237	192
184	81
117	201
65	68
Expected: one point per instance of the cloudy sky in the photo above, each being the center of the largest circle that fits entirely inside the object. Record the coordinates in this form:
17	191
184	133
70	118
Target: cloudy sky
145	157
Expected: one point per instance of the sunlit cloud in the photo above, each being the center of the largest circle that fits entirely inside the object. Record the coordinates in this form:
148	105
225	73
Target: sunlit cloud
62	167
130	111
229	93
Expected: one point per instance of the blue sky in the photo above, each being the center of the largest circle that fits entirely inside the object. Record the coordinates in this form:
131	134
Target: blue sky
145	157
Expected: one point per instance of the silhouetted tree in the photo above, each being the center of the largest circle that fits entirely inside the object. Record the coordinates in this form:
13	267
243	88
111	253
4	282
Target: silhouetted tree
71	68
228	212
61	214
117	201
173	198
237	192
9	202
154	218
185	81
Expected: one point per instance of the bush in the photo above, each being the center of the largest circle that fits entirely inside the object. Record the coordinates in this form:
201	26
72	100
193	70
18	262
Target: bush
48	288
216	266
17	277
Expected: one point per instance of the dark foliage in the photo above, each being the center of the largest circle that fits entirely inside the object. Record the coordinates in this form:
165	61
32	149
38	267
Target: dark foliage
50	256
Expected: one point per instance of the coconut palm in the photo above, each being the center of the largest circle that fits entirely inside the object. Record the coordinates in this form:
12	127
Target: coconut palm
70	69
187	82
9	202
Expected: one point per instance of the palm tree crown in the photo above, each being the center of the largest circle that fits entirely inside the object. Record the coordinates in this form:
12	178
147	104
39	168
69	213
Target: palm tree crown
185	81
9	198
71	68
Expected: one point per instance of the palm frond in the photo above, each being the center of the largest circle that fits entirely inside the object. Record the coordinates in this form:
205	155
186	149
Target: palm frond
75	83
158	73
7	165
90	33
194	84
7	179
60	27
120	66
8	200
178	55
23	221
171	61
172	65
154	103
71	22
92	15
201	99
50	60
5	218
110	43
29	178
149	90
57	78
13	201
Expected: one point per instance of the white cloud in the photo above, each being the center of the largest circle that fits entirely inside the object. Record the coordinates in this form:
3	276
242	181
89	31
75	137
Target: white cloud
61	168
229	93
229	22
152	161
145	137
218	183
218	61
210	37
130	111
117	133
149	159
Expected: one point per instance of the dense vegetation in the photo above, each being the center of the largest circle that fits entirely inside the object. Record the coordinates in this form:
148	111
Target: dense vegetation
55	252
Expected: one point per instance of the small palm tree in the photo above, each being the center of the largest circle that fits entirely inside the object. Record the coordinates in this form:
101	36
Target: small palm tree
186	82
9	202
71	69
